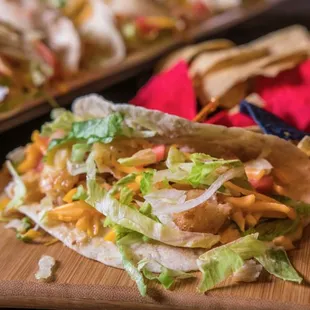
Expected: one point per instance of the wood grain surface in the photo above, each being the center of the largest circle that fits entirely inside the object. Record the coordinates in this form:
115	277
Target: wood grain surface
95	81
84	284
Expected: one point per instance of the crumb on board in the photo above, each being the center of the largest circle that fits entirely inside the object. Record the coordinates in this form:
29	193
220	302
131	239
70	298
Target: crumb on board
46	268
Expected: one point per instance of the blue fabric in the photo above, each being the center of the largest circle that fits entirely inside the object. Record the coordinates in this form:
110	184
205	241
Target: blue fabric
271	124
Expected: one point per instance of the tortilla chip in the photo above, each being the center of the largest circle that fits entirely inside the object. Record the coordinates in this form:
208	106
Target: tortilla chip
188	53
230	99
218	84
211	62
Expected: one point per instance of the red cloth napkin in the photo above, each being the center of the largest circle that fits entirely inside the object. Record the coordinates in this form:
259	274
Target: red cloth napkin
171	92
287	96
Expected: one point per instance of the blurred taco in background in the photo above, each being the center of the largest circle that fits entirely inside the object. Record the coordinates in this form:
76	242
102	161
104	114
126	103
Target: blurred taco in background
161	196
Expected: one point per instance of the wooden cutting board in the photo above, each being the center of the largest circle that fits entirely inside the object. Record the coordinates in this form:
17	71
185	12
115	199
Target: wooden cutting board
85	284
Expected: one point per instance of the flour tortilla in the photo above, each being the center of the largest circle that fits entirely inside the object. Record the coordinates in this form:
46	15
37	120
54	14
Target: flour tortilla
106	252
217	141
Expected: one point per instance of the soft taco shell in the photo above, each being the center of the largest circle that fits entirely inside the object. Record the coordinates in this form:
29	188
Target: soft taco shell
107	253
293	170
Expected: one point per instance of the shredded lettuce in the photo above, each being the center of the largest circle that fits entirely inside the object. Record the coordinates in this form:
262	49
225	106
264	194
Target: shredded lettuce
131	218
192	203
272	229
146	209
167	276
199	158
302	208
219	263
165	198
174	159
142	158
98	130
127	179
19	189
146	183
94	191
128	262
80	194
276	262
79	151
94	130
126	195
205	173
62	120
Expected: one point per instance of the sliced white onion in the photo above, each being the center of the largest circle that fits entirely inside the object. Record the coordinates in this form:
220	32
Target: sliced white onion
259	164
165	198
76	169
230	174
162	175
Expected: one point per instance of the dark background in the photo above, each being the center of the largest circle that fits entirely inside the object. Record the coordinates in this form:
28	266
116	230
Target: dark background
289	13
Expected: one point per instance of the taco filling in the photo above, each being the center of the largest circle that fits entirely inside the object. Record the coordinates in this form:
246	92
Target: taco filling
116	192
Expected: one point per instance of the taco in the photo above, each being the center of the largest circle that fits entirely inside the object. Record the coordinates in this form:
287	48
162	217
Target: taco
161	196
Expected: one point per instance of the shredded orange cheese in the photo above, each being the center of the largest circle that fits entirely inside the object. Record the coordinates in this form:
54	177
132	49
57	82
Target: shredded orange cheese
86	218
162	22
250	220
125	169
4	202
245	201
32	157
110	236
239	219
39	141
53	241
84	15
271	206
69	195
32	234
244	191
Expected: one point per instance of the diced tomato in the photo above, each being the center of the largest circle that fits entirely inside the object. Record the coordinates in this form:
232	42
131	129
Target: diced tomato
40	166
47	55
263	185
58	134
144	27
159	150
200	8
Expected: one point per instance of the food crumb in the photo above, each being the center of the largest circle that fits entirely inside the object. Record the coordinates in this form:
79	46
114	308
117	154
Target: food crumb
46	268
